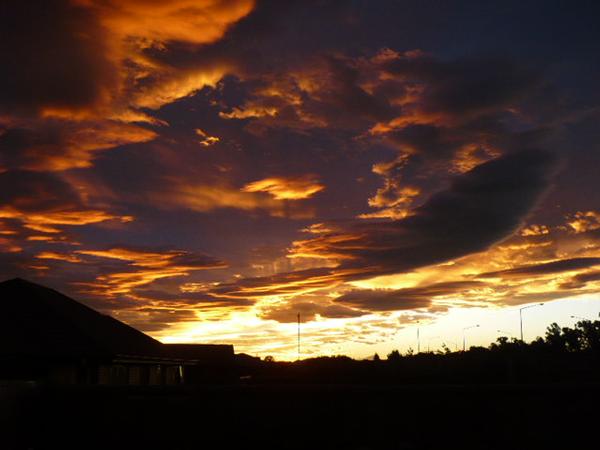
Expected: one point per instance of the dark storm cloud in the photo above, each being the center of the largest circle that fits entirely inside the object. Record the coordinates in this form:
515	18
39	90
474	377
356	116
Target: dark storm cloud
468	86
58	145
428	139
14	264
151	319
346	96
53	55
106	305
403	299
33	192
389	91
564	265
15	144
480	208
315	92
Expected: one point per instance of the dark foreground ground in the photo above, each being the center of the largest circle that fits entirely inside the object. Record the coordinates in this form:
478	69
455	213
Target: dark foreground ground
503	417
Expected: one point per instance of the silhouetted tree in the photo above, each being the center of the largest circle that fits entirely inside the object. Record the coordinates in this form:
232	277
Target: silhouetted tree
394	356
564	339
563	354
590	335
445	350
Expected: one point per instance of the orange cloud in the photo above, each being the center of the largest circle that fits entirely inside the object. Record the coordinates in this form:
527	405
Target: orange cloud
133	28
394	198
205	197
286	188
64	146
322	247
103	62
206	139
535	230
250	111
46	222
144	267
326	92
288	284
519	270
169	85
408	118
583	221
148	22
137	26
471	155
58	256
363	250
50	239
152	259
318	228
123	282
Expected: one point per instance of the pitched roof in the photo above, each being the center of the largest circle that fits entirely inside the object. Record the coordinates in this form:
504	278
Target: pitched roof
36	320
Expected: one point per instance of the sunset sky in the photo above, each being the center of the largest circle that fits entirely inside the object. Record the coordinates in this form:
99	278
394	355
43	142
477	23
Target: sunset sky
205	170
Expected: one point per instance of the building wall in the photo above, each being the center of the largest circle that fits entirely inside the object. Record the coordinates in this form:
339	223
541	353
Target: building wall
140	374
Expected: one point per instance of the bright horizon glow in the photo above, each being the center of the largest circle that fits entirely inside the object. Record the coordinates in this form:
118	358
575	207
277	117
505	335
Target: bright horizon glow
279	340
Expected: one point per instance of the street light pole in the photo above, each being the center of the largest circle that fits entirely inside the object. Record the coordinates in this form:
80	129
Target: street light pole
521	316
464	337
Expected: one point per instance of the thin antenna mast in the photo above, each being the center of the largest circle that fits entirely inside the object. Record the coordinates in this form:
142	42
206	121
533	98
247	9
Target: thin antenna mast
418	339
298	336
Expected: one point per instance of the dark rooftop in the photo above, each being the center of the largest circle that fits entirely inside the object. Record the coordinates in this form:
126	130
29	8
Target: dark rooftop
39	321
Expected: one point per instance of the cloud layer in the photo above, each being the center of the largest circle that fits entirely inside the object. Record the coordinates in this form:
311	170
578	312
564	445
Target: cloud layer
190	164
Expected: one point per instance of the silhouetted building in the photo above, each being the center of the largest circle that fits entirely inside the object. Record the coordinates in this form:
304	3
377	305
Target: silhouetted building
45	335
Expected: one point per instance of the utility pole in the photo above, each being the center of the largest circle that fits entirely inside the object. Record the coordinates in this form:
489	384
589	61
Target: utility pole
429	341
418	339
464	337
298	336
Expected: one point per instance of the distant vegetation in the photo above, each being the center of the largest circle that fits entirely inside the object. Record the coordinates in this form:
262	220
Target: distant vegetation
563	354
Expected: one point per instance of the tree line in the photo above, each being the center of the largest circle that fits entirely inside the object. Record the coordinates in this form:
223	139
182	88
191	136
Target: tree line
563	354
